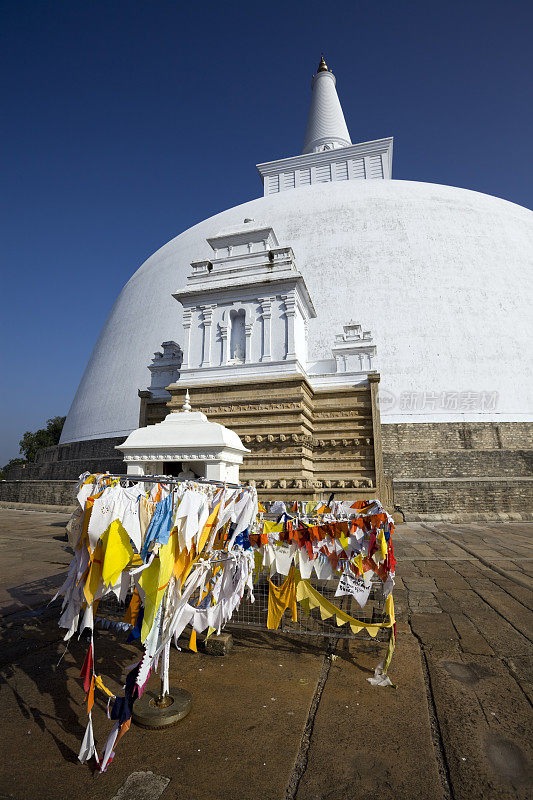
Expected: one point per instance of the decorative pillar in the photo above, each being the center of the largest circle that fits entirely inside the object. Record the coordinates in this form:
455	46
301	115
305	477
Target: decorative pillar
135	468
290	313
248	331
186	322
266	313
207	313
224	339
340	362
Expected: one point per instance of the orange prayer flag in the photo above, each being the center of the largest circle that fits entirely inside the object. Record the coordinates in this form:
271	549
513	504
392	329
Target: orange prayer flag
90	696
124	728
132	612
206	532
280	598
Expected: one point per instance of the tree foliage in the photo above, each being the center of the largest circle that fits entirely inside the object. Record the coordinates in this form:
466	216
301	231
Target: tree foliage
44	437
13	462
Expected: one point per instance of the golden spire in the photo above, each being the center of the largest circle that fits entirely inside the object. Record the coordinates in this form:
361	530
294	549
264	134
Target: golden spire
322	67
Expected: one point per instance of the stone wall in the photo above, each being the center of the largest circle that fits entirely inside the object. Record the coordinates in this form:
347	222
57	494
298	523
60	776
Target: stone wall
465	500
47	492
477	470
327	440
436	437
461	463
68	461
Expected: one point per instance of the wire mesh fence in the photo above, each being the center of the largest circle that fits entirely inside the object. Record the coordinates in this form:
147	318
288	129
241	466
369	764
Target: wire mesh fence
254	615
112	609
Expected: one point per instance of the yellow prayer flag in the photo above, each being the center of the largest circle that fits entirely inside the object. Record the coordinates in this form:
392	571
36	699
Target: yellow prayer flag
117	552
154	580
358	562
272	527
389	608
206	532
101	685
95	573
309	597
383	547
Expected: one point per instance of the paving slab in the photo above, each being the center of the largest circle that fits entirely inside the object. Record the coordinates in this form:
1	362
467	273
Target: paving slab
373	743
422	599
478	706
35	558
470	640
242	735
436	634
520	593
420	584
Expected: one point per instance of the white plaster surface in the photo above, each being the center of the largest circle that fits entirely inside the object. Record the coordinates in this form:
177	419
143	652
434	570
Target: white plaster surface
440	275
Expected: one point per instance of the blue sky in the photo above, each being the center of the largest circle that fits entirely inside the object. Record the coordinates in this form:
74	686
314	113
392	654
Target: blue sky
123	122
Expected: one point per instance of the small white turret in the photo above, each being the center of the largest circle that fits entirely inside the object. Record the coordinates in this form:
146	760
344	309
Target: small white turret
185	440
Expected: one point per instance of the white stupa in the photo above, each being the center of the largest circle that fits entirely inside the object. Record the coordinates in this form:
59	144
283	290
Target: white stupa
440	275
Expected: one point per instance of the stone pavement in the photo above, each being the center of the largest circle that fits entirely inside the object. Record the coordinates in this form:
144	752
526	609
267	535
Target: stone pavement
279	718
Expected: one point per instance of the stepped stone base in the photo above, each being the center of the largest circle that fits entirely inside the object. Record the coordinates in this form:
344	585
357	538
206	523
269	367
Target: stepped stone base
304	442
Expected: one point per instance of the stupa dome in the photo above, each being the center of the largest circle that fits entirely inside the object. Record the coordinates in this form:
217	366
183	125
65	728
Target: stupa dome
440	275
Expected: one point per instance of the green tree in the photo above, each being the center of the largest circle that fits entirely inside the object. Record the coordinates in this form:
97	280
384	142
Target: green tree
44	437
13	462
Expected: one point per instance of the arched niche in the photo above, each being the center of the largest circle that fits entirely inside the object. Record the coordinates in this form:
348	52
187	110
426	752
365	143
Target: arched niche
237	336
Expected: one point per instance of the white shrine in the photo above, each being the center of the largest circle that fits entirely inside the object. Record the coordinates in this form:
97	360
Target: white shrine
246	313
187	445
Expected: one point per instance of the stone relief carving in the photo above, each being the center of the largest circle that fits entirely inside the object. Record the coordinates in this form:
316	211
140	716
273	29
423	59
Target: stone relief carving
342	412
234	409
280	439
313	485
143	456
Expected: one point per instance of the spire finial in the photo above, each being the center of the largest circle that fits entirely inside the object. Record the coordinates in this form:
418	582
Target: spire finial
322	67
187	404
326	126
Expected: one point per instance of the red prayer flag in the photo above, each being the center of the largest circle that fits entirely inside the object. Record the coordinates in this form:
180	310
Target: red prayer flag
87	669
